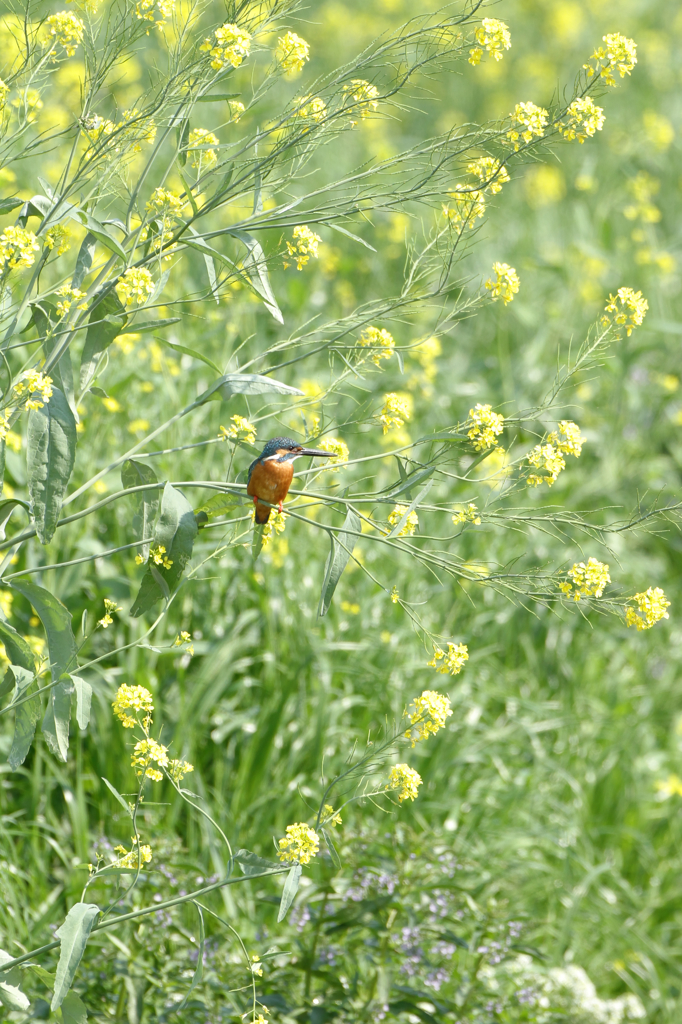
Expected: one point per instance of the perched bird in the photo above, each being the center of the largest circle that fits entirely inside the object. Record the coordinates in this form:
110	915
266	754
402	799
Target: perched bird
270	475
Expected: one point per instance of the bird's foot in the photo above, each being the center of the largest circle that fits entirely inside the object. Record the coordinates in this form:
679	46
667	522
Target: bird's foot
280	507
255	500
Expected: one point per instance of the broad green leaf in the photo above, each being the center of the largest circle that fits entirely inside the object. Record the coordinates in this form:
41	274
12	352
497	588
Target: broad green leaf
11	995
73	936
410	508
199	969
251	864
9	204
45	318
83	700
73	1010
210	268
106	322
151	325
99	231
410	480
134	474
55	725
175	530
50	458
25	717
36	206
115	793
341	549
6	509
40	972
86	255
289	891
218	504
56	620
18	650
189	352
256	266
245	384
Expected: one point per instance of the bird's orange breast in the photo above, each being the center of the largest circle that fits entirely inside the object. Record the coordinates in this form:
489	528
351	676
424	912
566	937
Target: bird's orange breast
271	481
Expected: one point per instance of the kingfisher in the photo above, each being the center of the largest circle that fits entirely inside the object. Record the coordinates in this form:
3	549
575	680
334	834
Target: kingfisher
270	475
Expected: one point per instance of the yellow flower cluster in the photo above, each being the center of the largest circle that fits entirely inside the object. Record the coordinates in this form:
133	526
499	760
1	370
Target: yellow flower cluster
584	119
199	152
4	92
586	580
275	524
404	779
620	53
410	524
67	30
162	200
159	557
338	450
628	308
452	662
109	607
331	817
486	427
467	515
533	120
229	47
672	786
490	173
184	638
33	382
239	429
379	339
300	844
643	187
144	10
431	712
468	204
4	427
178	769
136	697
493	35
145	752
135	286
131	859
651	608
236	109
506	283
314	108
58	236
397	408
292	52
567	440
305	244
17	246
69	295
364	95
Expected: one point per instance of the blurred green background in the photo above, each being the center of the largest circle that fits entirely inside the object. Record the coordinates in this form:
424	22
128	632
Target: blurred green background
557	778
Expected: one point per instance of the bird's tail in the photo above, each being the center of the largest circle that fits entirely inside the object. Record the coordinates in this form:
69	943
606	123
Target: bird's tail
262	513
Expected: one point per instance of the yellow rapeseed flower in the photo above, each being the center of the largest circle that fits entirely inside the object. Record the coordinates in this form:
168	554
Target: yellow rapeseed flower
338	450
628	309
430	713
312	107
505	284
300	844
587	580
199	152
58	236
305	244
364	97
178	769
397	408
452	662
651	608
239	429
492	35
467	515
410	524
620	53
136	697
145	752
109	607
486	426
31	383
406	780
131	859
135	286
584	119
17	247
67	30
490	172
229	46
466	207
292	52
672	786
527	122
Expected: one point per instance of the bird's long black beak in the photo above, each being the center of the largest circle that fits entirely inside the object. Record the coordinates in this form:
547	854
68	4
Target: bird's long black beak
315	452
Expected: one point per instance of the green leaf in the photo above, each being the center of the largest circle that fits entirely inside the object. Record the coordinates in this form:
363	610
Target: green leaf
9	204
215	98
73	1010
189	352
336	860
11	995
245	384
18	649
182	141
175	530
219	504
410	508
6	509
83	700
289	891
25	717
56	620
356	238
50	458
115	793
73	936
256	266
86	255
55	725
107	320
210	268
410	480
45	319
36	206
258	539
151	325
251	864
341	549
134	474
99	231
